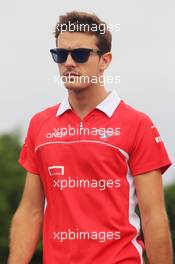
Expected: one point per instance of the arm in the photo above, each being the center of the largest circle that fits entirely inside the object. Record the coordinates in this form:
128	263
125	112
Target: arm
154	218
27	222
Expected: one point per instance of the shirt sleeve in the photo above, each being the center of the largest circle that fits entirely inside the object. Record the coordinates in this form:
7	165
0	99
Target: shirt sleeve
148	151
27	158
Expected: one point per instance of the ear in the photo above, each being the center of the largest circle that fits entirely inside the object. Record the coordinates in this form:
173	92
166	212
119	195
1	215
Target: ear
105	60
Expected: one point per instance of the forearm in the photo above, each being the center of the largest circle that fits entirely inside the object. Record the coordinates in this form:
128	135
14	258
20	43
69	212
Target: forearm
24	236
158	240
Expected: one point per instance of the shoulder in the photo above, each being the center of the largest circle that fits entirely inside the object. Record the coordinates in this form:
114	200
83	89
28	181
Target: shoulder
133	116
39	118
45	113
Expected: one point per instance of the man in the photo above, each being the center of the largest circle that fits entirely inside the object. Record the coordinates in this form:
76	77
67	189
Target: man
89	160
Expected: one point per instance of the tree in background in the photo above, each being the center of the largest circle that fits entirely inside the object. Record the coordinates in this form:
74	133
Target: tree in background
12	177
170	207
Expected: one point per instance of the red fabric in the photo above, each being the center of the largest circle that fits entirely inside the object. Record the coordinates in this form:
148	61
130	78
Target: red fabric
106	203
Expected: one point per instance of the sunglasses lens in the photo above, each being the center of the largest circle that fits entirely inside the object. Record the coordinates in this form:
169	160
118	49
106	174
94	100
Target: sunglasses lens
59	55
80	55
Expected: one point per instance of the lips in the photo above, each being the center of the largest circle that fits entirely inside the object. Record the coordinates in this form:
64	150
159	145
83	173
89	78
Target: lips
70	74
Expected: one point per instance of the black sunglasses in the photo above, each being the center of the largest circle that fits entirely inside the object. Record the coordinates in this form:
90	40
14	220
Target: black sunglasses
79	55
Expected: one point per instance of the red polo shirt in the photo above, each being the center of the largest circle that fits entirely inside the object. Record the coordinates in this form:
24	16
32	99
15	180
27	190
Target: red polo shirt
87	169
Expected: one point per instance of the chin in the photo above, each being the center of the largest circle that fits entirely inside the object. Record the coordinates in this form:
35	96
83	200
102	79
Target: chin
76	86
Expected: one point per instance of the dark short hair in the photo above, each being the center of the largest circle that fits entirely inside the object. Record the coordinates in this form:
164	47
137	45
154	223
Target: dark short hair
87	24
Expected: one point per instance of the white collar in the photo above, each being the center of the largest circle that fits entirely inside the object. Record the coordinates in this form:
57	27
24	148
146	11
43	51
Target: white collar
108	105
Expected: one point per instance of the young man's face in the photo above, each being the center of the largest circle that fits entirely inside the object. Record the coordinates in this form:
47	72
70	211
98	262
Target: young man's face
86	71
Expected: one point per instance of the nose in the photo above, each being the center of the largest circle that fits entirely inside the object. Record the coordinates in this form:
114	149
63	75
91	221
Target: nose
70	61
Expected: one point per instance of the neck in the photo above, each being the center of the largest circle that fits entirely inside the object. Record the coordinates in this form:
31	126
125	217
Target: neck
84	100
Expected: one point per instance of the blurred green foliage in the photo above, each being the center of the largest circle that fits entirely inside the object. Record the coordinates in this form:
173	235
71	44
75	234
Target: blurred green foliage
170	207
12	178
